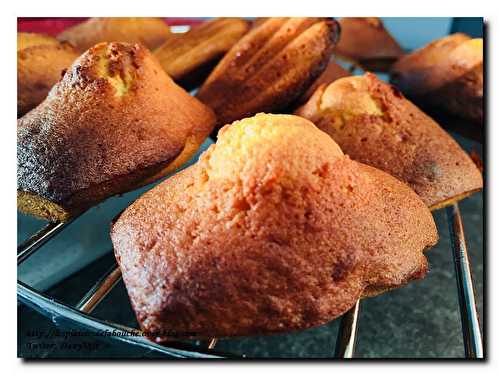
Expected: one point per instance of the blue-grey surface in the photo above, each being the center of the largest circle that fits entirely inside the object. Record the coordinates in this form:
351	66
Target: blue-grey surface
404	29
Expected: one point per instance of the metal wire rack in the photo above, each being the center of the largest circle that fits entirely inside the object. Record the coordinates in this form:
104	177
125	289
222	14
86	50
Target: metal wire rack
81	314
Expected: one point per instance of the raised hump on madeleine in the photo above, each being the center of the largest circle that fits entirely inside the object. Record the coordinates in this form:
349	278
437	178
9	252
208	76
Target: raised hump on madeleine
270	67
115	63
332	72
115	122
373	123
259	144
273	229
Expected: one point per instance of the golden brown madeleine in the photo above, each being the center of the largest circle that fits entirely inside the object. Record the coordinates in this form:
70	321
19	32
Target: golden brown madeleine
446	74
411	72
41	61
374	124
115	122
25	40
150	31
332	72
366	42
189	57
270	67
274	229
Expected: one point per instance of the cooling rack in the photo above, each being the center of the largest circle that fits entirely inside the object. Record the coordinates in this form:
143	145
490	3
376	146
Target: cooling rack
81	314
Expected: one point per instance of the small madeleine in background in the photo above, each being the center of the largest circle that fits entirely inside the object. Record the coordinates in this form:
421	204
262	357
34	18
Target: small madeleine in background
446	74
41	59
270	67
364	41
189	57
149	31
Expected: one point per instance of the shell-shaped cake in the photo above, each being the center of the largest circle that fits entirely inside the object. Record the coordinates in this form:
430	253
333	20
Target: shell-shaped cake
115	122
149	31
270	67
365	41
189	57
446	74
41	60
373	123
273	229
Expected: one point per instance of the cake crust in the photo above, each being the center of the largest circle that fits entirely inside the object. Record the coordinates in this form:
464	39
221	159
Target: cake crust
274	229
41	61
376	125
446	74
115	122
149	31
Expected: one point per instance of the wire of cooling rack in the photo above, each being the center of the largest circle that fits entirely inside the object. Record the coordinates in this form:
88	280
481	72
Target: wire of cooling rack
346	338
37	240
60	312
468	312
100	290
347	334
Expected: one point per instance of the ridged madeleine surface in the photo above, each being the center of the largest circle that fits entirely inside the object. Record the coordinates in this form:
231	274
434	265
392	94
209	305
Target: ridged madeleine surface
274	229
270	67
115	122
189	57
374	124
